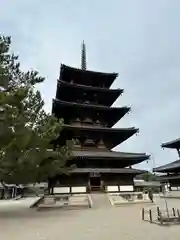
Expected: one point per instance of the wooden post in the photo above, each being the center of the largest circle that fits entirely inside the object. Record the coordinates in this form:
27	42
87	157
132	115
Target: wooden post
174	213
3	193
160	218
15	192
167	210
143	214
158	211
178	213
150	215
12	192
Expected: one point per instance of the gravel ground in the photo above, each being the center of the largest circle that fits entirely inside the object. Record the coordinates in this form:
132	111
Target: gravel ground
103	221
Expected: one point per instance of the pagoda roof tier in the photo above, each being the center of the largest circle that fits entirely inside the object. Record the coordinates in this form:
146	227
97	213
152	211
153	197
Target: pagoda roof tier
86	77
105	159
129	158
71	92
172	144
68	110
170	167
108	170
110	136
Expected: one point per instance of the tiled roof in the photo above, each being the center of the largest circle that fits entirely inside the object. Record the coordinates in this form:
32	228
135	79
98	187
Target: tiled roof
110	154
108	170
66	67
100	107
172	144
168	167
147	184
168	177
75	85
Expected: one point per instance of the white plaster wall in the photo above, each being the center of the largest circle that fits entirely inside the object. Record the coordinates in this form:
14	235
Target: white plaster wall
78	189
175	188
61	190
127	188
112	189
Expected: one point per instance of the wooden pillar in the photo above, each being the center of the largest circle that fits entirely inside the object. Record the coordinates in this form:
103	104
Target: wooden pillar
2	193
12	193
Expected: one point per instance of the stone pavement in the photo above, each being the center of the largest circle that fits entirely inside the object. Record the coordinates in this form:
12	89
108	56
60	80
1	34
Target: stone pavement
20	203
101	222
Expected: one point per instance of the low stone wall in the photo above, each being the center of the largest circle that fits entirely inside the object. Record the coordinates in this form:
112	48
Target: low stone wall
66	201
128	198
171	194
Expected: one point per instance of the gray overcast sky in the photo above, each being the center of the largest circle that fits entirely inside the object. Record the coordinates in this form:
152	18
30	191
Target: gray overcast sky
140	39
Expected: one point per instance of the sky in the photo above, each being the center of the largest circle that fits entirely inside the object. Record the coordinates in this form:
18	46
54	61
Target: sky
139	39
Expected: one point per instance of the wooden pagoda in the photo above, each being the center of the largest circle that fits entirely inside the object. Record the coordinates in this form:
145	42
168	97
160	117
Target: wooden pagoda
83	100
171	171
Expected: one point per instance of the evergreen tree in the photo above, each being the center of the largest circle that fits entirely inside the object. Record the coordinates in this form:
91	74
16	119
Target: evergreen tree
148	176
27	132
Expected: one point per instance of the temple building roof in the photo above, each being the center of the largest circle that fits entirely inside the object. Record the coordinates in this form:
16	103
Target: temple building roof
88	77
68	110
147	183
172	144
105	96
170	167
108	170
164	178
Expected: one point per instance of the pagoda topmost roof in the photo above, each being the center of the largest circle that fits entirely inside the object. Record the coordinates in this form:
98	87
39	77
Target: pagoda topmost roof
81	71
172	144
68	73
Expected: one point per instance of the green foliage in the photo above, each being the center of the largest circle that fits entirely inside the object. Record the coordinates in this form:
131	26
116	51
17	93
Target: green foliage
148	176
27	132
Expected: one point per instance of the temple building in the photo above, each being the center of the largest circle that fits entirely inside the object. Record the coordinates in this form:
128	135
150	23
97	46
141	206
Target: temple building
170	173
83	99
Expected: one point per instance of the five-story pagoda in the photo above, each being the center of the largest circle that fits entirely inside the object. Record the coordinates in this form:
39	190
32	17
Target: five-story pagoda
83	100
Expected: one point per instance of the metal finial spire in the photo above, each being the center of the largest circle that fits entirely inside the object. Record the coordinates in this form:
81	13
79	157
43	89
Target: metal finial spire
83	57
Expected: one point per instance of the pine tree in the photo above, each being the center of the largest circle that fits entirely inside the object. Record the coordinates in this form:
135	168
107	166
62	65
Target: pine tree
27	132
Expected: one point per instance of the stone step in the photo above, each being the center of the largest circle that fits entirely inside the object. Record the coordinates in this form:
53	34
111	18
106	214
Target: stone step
100	200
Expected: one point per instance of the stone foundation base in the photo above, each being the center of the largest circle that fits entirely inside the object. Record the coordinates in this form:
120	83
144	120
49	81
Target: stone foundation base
65	201
128	198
